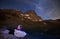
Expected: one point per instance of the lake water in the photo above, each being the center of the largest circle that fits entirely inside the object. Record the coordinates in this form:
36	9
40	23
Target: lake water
42	36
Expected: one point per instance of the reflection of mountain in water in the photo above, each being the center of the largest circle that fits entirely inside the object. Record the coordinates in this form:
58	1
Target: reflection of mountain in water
30	22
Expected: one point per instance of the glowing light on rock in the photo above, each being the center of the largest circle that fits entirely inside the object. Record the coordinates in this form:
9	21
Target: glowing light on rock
44	23
26	15
29	18
21	14
40	20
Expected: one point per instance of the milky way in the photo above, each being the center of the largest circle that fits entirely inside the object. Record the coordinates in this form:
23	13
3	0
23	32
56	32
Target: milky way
47	9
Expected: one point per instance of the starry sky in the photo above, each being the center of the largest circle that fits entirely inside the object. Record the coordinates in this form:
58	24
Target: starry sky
47	9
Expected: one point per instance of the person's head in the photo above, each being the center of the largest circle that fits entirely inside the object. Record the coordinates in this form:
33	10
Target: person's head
19	27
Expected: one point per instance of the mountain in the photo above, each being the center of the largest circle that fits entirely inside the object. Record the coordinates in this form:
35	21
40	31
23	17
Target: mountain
12	17
29	20
30	14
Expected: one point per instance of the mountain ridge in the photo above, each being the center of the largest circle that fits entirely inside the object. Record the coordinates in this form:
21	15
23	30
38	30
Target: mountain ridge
28	21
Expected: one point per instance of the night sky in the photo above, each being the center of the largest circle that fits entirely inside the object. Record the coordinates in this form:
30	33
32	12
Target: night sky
47	9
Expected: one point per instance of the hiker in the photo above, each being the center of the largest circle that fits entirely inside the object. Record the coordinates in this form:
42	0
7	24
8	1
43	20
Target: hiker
18	33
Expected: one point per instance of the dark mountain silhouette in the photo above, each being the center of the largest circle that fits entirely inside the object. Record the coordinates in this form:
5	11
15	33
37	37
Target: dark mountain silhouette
29	20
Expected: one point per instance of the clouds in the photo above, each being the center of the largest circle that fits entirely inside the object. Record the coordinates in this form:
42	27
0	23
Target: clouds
48	9
53	11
